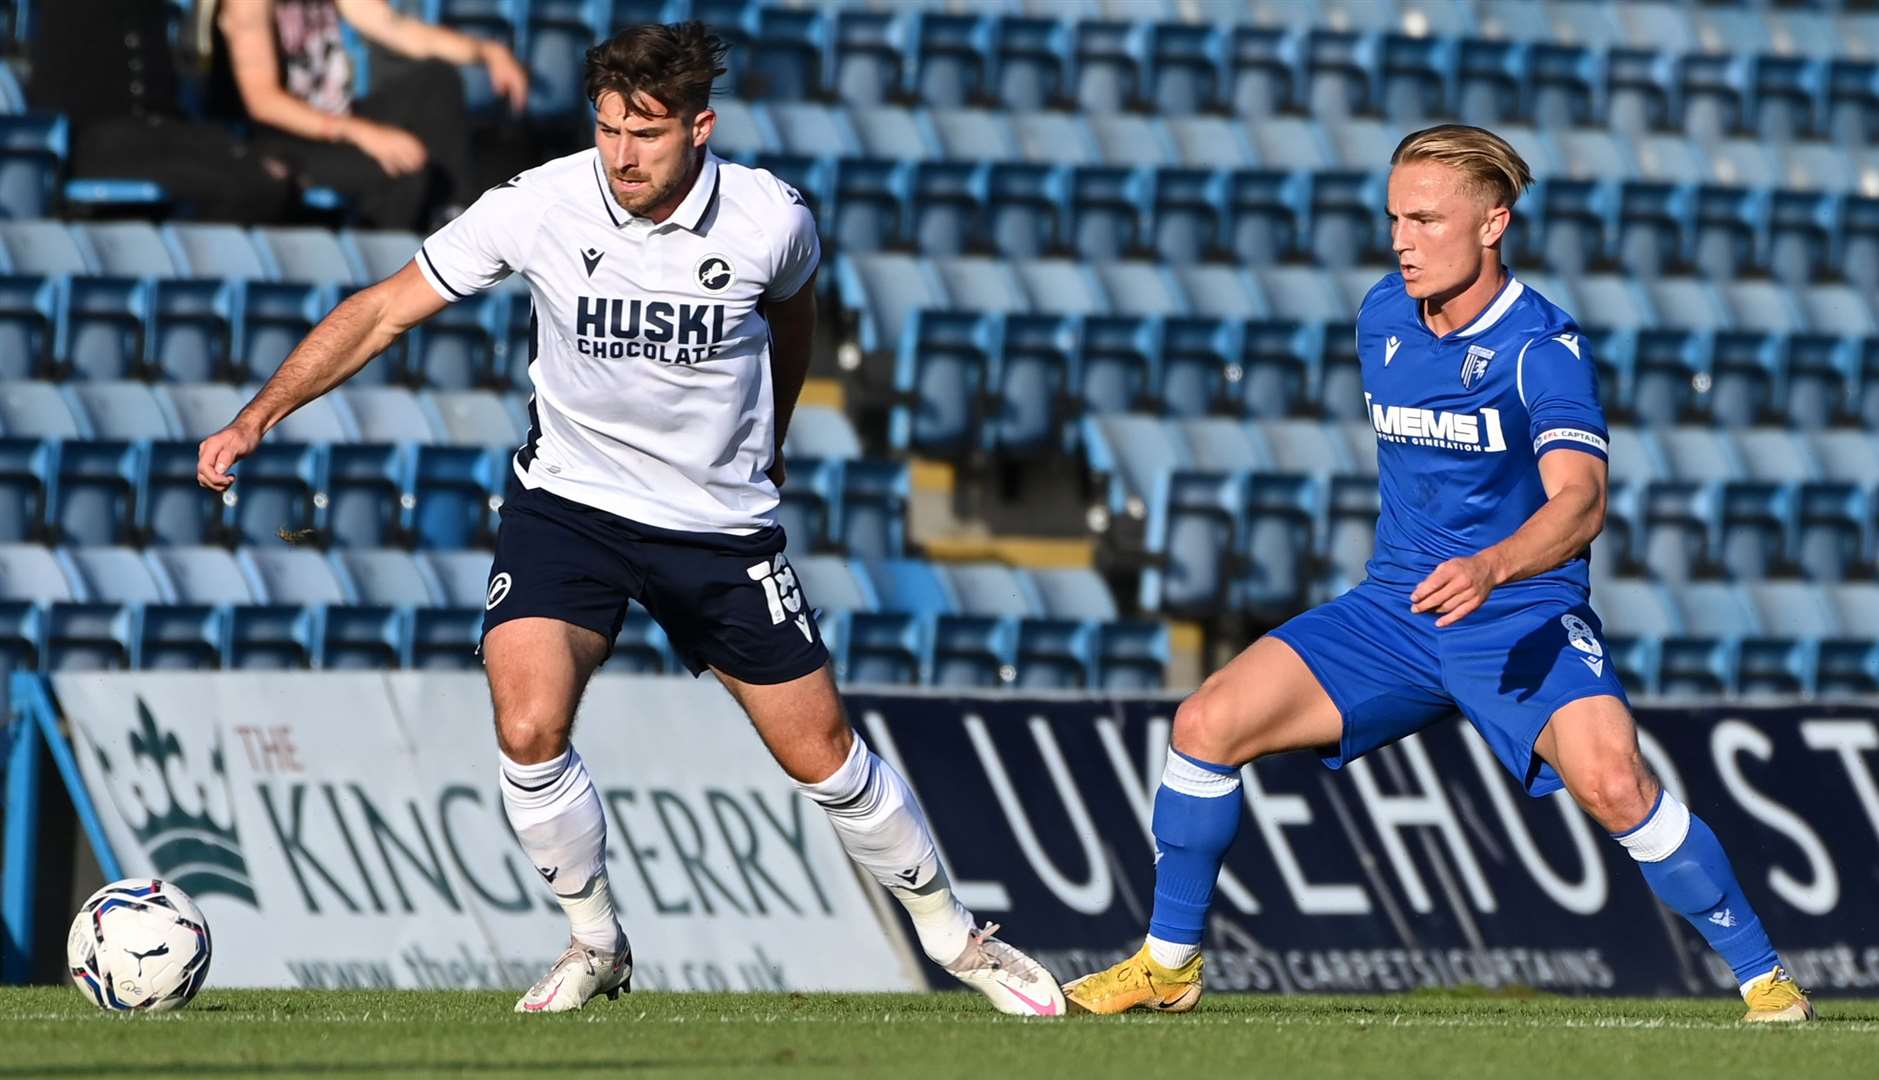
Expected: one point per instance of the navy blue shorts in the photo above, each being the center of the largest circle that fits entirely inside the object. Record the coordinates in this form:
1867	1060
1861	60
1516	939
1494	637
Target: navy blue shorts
1507	666
725	602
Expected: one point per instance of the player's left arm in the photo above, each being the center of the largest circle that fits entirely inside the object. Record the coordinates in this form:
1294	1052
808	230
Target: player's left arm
383	25
1571	517
1559	386
792	336
789	306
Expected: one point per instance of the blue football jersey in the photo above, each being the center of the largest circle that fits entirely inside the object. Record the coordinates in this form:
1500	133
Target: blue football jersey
1462	419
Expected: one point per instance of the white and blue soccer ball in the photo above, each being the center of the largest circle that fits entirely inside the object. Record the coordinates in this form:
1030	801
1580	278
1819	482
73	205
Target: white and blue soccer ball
139	945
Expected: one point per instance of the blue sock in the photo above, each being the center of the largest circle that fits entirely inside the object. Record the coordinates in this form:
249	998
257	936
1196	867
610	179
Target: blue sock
1197	814
1685	866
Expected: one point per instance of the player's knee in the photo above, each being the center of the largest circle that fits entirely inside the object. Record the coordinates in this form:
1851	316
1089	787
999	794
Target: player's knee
1618	795
1202	728
528	737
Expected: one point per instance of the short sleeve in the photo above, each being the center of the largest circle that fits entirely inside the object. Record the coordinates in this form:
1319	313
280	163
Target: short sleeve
798	250
484	244
1559	385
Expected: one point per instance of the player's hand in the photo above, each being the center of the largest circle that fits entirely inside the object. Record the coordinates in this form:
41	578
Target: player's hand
219	452
1455	588
507	77
396	150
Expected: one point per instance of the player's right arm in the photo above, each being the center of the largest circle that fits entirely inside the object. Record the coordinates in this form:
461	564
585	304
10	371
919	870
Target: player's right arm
351	334
482	246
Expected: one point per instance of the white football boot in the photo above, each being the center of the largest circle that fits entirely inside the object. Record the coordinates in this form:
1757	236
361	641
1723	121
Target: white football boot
1016	984
580	975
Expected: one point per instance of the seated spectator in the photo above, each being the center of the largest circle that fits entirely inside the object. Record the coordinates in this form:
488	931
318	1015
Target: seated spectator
108	66
401	153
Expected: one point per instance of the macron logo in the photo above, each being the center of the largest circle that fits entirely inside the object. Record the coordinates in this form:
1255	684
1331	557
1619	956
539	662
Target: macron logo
1570	341
1389	349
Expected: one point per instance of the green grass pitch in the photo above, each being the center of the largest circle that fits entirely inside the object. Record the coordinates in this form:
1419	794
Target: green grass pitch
51	1031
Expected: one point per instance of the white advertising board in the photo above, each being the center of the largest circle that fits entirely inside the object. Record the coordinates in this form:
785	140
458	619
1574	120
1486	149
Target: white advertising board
344	829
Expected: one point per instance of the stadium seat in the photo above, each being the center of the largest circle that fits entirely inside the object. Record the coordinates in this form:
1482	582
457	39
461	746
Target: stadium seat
33	150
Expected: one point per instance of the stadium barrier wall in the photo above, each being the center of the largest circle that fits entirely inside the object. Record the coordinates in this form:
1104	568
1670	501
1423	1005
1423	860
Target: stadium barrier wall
344	829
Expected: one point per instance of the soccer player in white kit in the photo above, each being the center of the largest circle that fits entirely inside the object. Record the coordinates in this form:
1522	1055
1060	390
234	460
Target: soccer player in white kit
674	308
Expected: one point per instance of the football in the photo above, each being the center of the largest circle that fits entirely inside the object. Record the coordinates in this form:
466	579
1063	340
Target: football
139	945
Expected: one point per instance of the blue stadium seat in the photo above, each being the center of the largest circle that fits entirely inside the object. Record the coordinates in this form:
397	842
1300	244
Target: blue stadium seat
307	255
309	608
1837	512
1305	302
367	485
1051	652
1705	655
742	131
1849	661
472	418
33	149
869	645
1761	512
1824	365
809	505
1783	657
377	254
1265	64
455	492
945	59
32	581
875	56
1265	213
790	55
447	636
117	575
1028	61
1107	61
1749	370
1184	68
558	33
191	629
967	650
1196	508
1638	616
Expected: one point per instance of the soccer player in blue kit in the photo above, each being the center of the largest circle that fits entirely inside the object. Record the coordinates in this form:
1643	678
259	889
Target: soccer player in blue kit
1491	459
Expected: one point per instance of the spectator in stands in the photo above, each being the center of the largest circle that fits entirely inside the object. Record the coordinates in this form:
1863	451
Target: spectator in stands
109	67
400	153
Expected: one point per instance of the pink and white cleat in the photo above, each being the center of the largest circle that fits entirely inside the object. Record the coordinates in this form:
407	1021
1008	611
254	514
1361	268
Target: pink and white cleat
580	975
1016	984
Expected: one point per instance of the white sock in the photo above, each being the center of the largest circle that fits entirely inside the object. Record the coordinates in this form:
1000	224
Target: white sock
883	831
556	815
1171	954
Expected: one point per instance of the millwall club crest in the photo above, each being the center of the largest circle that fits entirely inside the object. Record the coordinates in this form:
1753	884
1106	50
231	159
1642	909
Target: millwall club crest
1474	366
714	273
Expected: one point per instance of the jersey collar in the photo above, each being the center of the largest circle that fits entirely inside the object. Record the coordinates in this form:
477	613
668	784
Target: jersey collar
1504	301
690	212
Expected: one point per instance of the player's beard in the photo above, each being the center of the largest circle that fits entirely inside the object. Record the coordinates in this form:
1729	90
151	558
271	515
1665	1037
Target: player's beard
649	196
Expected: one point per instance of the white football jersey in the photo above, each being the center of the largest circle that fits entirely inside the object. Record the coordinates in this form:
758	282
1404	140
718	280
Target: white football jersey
649	352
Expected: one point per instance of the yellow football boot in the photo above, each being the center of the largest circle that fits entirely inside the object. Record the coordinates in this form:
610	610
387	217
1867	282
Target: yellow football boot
1137	982
1775	998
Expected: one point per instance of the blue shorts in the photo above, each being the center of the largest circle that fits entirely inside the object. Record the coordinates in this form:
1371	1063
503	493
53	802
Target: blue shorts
1507	666
725	602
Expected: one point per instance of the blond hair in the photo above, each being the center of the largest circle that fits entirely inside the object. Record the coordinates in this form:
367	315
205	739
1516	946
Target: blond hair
1492	166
